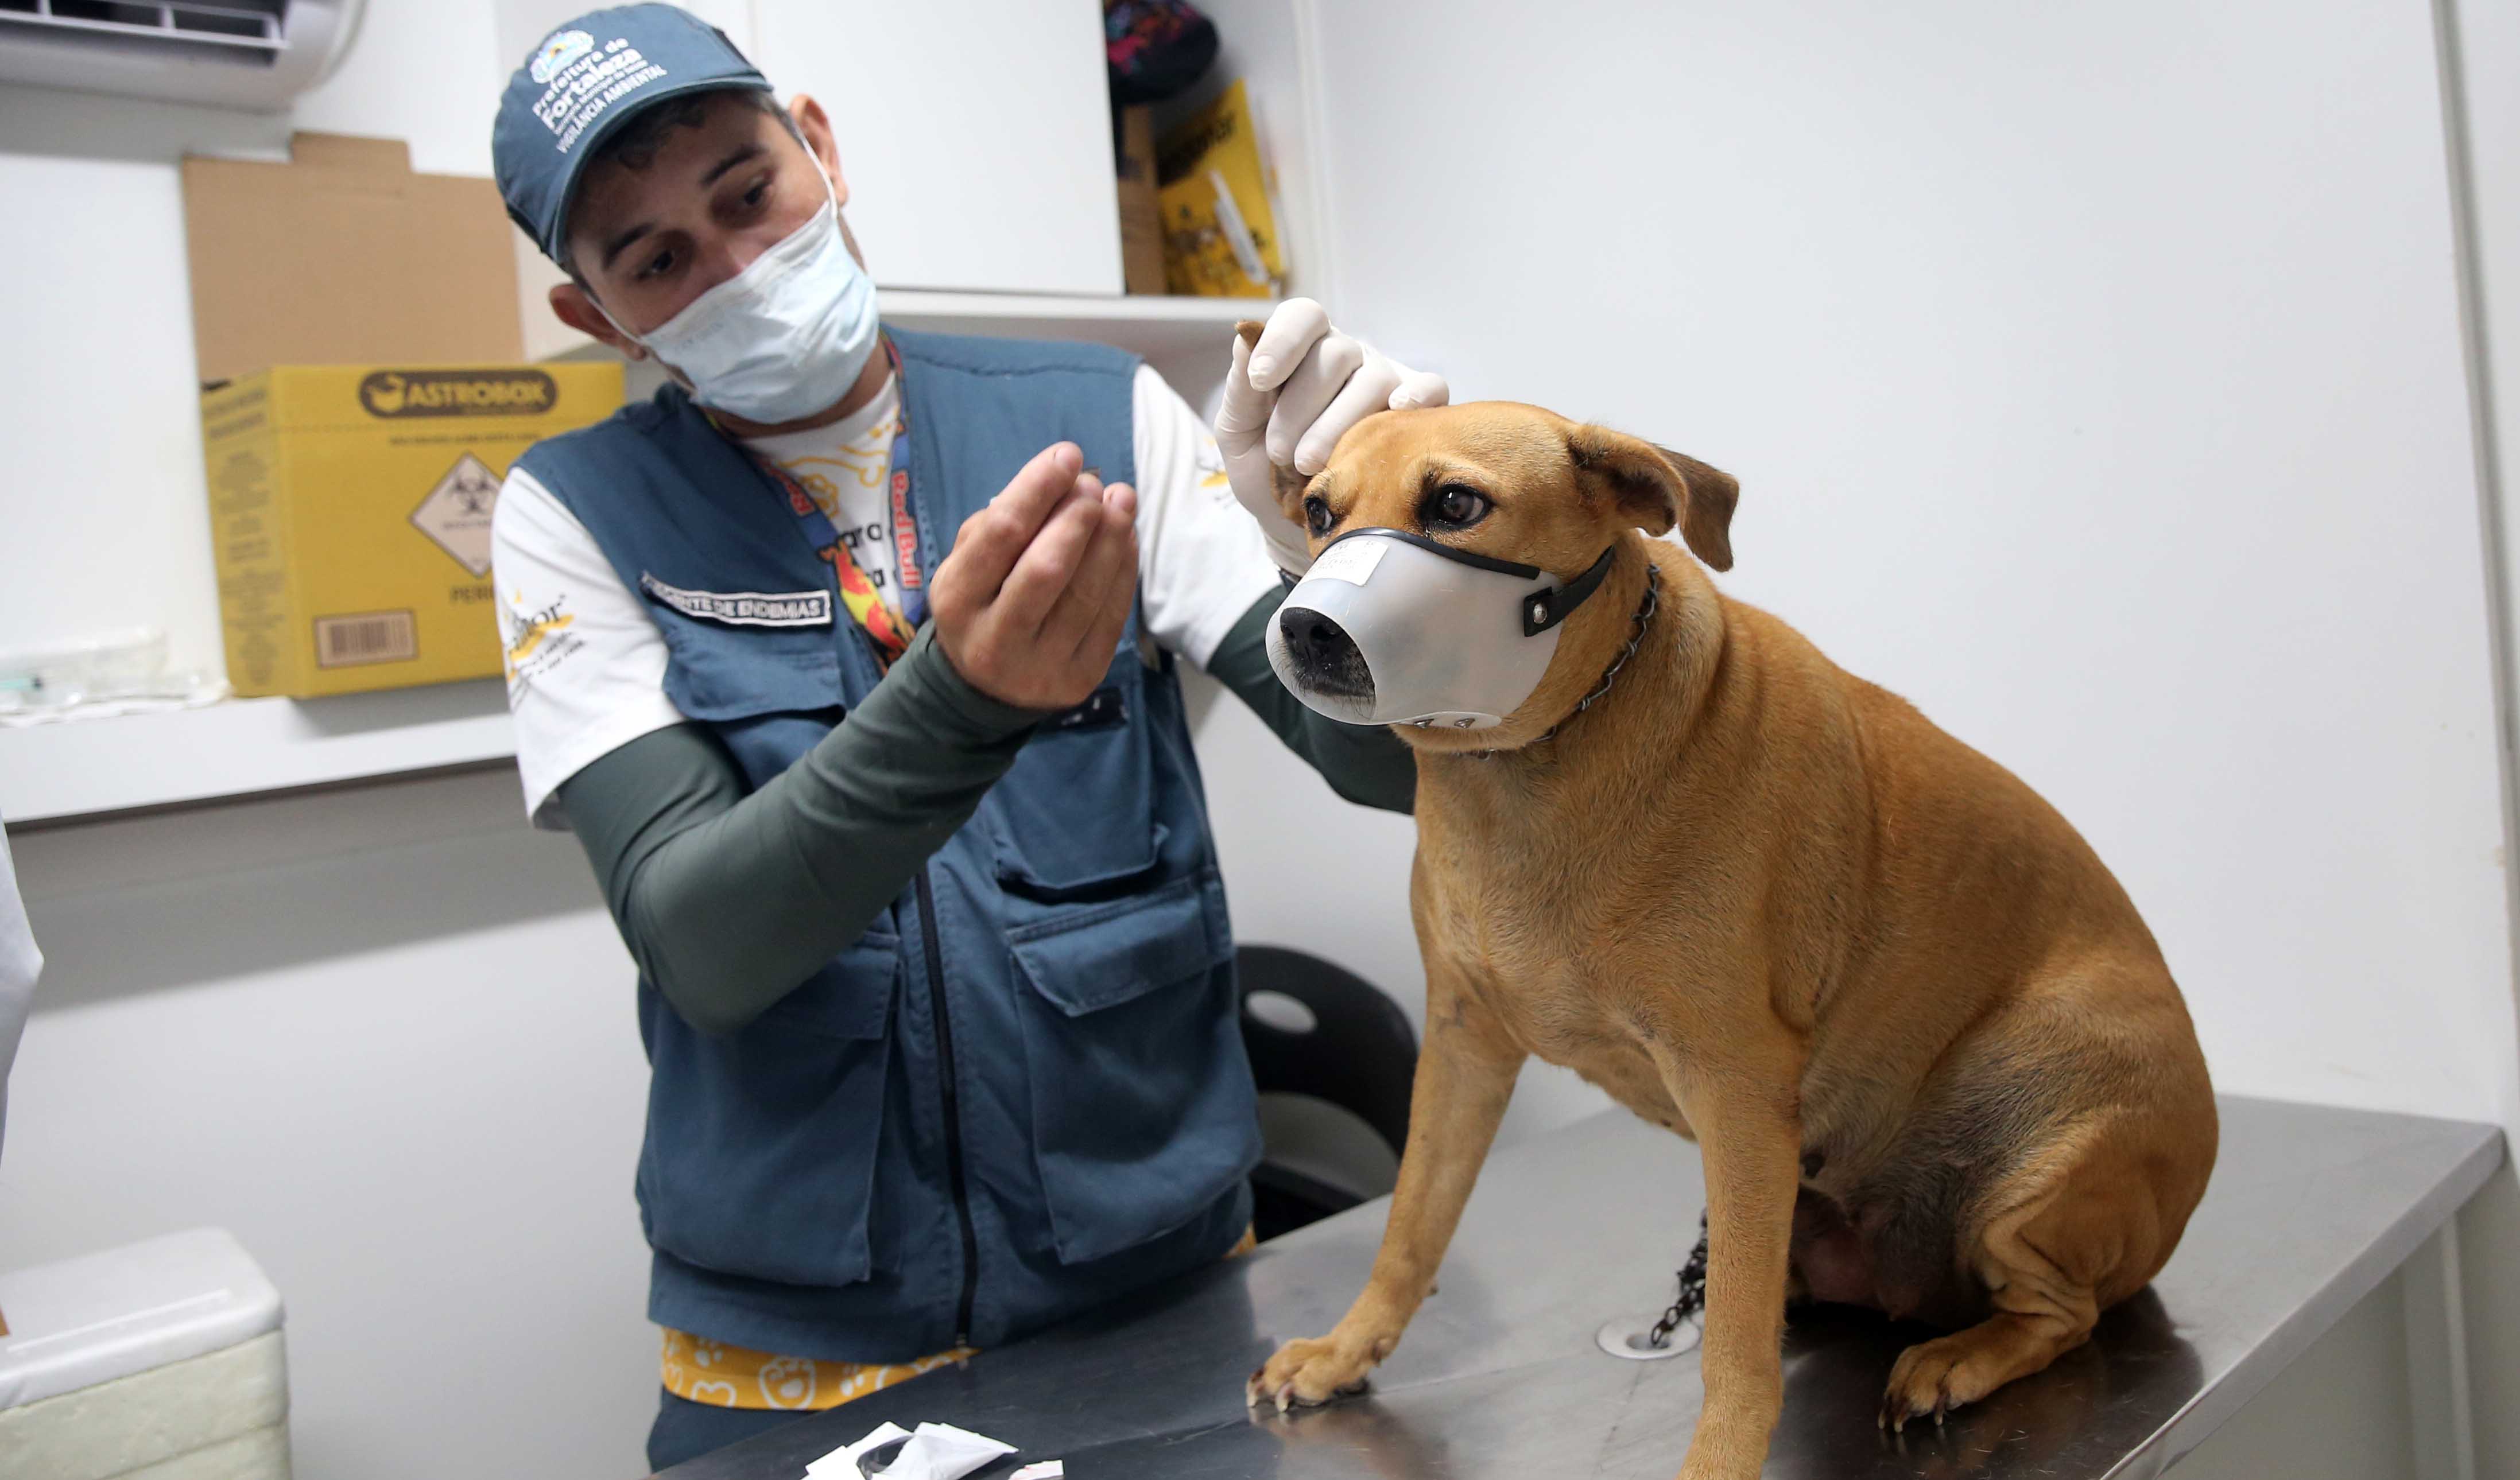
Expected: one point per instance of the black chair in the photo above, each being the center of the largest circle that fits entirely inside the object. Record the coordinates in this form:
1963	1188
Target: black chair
1335	1059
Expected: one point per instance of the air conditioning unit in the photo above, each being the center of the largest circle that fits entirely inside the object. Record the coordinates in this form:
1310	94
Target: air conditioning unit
246	54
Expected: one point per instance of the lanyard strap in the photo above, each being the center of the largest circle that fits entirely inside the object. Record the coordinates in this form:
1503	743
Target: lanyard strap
889	631
904	520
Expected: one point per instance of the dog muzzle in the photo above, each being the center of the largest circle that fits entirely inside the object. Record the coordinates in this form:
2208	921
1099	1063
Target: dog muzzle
1391	628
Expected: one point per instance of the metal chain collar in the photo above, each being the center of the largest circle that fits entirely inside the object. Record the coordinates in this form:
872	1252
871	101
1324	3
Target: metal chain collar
1609	675
1693	1293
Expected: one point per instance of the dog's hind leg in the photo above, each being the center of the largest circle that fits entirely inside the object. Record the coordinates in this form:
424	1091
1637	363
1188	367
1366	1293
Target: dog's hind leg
1466	1075
2071	1231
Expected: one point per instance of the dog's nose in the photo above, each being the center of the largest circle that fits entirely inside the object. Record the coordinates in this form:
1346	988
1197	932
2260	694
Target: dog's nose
1318	642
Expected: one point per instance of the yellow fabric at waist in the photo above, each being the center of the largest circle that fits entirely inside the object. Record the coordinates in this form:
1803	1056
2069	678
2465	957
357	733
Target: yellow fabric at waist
722	1374
725	1376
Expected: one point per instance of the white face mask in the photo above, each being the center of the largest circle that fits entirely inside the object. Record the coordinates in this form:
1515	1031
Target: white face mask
1391	628
782	340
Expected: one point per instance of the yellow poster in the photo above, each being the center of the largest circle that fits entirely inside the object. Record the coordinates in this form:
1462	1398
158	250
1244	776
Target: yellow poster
1220	231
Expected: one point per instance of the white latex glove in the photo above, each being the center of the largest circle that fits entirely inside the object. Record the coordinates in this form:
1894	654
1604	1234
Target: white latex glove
1290	398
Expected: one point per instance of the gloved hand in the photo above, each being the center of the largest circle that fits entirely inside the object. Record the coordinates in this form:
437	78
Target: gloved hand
1287	401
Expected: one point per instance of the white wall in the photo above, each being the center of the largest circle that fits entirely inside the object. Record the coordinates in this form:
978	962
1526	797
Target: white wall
2093	377
97	404
383	1036
386	1036
2482	59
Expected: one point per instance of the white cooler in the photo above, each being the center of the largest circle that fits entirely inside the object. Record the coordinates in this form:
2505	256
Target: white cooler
158	1361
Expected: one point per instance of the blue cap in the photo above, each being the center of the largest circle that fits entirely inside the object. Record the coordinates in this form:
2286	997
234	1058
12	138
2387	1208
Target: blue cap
586	79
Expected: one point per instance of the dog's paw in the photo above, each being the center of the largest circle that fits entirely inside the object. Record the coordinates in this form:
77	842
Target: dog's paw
1933	1377
1307	1373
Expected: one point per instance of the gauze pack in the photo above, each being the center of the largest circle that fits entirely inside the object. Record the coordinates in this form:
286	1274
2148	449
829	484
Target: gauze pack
933	1452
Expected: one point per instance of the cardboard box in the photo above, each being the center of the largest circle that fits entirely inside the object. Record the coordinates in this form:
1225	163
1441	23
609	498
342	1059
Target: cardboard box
1216	188
1142	212
364	389
350	507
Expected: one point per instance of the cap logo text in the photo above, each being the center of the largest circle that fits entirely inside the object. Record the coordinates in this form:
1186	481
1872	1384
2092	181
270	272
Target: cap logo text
579	89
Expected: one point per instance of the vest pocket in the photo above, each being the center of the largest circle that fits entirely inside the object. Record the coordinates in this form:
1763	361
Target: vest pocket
1142	1109
1074	816
716	673
761	1160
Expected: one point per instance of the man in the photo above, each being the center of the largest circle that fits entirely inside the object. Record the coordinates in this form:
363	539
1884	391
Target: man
851	660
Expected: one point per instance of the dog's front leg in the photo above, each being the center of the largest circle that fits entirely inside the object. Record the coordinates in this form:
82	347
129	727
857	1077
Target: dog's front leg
1748	1129
1466	1075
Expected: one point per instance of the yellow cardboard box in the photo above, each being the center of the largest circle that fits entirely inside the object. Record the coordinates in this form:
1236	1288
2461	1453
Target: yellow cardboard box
350	511
359	335
1215	188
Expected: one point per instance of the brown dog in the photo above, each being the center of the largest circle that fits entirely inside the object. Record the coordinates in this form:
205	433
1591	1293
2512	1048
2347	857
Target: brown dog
1934	1058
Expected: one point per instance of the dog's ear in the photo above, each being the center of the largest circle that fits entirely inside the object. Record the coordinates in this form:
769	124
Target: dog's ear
1707	523
1658	488
1292	486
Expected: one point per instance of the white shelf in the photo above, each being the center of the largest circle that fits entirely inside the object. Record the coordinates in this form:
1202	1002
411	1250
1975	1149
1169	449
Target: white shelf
240	747
914	304
1188	339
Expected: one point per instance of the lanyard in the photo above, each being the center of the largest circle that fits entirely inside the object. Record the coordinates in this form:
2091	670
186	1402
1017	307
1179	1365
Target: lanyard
905	522
889	631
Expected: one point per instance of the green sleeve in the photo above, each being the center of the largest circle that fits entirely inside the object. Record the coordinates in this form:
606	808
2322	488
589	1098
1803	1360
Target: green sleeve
1366	764
729	902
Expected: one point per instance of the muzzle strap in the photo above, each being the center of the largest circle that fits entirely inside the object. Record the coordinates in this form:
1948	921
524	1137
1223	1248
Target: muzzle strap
1543	609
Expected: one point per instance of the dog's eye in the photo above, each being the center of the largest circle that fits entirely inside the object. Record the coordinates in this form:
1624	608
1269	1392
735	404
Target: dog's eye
1457	507
1317	515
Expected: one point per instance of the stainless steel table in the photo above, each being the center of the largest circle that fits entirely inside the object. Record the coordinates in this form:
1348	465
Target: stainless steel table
2311	1208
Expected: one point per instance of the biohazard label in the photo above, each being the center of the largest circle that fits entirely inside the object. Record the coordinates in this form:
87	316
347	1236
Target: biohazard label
456	515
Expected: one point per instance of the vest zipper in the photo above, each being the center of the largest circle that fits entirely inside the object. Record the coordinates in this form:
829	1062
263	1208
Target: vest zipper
952	1097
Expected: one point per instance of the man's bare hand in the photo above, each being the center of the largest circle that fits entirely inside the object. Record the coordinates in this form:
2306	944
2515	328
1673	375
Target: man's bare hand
1033	599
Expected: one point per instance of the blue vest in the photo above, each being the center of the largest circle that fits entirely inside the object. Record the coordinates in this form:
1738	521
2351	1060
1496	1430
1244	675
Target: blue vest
1022	1091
